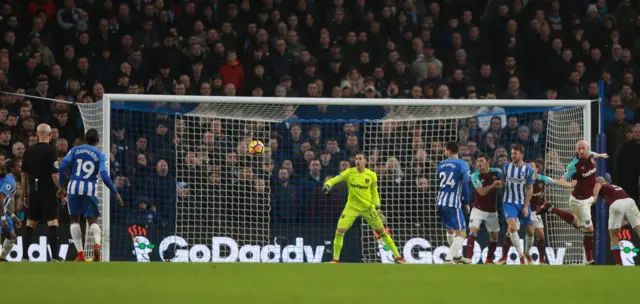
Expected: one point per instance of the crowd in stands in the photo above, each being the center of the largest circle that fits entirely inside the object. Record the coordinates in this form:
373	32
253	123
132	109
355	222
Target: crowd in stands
76	51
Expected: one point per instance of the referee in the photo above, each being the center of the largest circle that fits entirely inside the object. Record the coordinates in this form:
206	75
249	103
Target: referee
39	179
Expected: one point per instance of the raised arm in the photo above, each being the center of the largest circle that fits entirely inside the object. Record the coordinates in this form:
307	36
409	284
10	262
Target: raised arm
599	155
562	182
571	170
336	179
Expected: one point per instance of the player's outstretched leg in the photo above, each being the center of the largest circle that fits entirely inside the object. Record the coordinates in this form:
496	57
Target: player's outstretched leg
564	215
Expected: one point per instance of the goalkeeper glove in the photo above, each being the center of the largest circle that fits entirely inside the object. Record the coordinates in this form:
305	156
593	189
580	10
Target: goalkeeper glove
326	189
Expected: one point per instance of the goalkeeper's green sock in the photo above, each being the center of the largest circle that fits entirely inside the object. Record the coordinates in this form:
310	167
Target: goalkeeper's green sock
390	244
337	245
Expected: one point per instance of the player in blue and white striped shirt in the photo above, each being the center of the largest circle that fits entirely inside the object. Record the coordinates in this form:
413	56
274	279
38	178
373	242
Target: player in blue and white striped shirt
453	177
518	190
86	161
9	220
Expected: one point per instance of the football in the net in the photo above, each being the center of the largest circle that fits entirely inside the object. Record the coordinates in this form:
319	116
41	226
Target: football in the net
256	147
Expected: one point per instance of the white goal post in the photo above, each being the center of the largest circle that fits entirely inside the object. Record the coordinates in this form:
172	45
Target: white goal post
563	115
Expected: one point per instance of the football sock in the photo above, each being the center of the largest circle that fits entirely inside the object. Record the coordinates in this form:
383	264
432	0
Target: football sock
7	245
506	245
471	242
565	216
493	244
26	242
450	238
76	235
455	248
337	245
52	239
541	249
390	244
515	241
97	233
528	243
587	241
615	250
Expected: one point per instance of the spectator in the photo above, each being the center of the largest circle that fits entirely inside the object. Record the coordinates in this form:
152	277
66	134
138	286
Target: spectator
232	72
626	171
617	130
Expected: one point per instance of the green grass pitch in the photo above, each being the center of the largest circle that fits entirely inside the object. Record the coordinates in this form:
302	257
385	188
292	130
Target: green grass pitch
116	283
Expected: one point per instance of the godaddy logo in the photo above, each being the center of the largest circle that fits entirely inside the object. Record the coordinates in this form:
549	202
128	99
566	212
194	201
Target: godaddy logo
142	247
630	250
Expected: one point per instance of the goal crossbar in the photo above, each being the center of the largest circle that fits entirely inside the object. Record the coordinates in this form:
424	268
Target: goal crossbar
346	101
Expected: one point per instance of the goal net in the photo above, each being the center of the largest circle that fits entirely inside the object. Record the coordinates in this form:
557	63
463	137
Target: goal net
193	193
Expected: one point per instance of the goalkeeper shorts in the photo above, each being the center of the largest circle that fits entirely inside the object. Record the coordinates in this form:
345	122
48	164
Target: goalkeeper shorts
350	214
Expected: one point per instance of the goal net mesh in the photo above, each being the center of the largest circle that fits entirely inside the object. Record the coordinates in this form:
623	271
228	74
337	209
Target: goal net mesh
193	193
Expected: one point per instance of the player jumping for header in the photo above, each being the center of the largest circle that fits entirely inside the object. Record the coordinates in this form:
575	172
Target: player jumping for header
363	201
621	206
87	162
582	169
453	178
486	181
517	198
9	220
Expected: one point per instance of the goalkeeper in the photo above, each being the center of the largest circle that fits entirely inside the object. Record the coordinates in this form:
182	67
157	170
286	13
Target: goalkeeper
363	201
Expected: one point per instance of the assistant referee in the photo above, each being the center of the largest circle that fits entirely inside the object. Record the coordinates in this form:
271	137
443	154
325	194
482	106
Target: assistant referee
39	179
